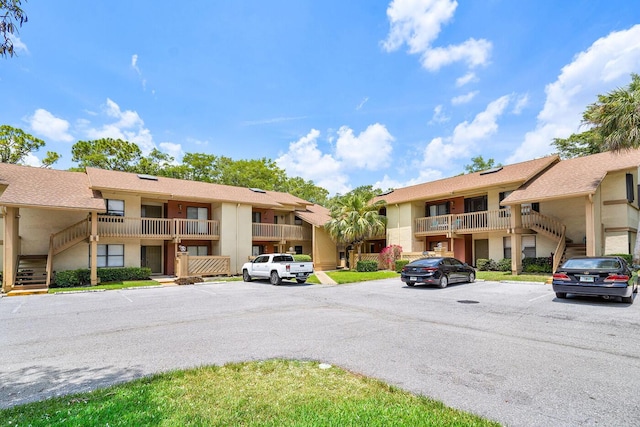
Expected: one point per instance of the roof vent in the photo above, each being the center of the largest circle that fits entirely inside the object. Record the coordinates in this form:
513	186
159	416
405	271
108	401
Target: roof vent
257	190
493	170
147	177
386	192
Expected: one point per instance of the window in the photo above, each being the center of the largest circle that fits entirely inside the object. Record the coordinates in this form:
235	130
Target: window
298	250
198	250
261	259
528	246
110	255
475	204
439	209
256	217
629	179
297	221
201	214
257	250
115	207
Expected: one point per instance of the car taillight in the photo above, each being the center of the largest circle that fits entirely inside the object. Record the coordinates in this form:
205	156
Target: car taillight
560	276
288	267
617	278
428	269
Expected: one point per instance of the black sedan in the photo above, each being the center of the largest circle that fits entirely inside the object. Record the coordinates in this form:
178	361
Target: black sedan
437	271
606	276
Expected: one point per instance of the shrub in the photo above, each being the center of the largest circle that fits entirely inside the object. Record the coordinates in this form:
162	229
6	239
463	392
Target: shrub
363	266
627	257
401	263
189	280
82	277
504	264
486	264
302	258
537	265
389	255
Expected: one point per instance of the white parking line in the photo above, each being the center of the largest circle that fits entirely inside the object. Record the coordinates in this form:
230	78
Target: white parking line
541	296
125	297
15	310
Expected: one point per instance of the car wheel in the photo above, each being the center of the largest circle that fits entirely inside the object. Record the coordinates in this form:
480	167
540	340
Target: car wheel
301	281
628	300
410	284
245	276
472	277
274	278
444	281
635	290
561	295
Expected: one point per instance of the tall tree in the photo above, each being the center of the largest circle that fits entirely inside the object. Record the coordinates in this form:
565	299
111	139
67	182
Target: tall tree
16	145
256	173
580	144
479	164
11	17
306	190
354	219
107	153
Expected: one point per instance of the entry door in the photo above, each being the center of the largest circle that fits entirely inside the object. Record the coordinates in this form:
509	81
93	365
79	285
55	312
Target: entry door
481	249
151	256
200	214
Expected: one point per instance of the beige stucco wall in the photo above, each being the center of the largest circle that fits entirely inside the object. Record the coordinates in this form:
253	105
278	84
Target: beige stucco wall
569	211
400	219
36	225
235	233
325	253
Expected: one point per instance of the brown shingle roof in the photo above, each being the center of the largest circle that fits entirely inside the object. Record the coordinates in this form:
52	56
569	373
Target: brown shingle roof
517	173
172	188
574	177
315	215
38	187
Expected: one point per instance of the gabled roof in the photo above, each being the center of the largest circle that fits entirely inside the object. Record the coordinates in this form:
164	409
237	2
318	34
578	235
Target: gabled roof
517	174
315	215
580	176
171	188
38	187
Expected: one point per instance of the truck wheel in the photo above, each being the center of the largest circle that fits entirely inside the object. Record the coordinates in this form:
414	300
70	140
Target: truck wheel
245	276
274	278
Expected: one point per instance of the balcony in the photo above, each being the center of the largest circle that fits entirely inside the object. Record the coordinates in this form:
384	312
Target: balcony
279	232
158	228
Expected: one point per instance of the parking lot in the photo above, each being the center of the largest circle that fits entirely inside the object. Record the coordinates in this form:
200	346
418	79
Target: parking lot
510	352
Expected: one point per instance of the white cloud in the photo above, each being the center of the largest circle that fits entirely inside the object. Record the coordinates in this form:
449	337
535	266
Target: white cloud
369	150
463	99
49	126
134	65
18	45
364	101
172	149
467	78
605	65
483	125
465	136
418	23
521	103
31	160
128	126
438	116
304	159
426	175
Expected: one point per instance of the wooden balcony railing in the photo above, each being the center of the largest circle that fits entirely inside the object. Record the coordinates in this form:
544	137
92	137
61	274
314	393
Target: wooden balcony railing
280	232
157	228
486	221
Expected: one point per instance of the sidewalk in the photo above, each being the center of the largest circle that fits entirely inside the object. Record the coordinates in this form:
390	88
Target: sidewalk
324	279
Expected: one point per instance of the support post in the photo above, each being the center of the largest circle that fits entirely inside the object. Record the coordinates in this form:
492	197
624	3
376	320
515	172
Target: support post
94	248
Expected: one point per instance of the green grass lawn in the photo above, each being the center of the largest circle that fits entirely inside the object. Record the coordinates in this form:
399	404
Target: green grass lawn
349	276
270	393
111	285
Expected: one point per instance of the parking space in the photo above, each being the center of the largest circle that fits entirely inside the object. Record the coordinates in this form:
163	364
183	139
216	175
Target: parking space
508	351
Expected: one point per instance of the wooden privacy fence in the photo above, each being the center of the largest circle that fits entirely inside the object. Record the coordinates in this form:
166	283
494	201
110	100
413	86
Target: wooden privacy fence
187	265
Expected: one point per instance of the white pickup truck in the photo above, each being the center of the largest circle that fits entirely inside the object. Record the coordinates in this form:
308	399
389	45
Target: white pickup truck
276	267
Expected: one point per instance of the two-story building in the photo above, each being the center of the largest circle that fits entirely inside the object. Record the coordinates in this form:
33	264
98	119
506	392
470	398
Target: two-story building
546	206
59	220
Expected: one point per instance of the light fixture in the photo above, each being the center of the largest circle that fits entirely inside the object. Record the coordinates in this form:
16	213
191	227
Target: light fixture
179	206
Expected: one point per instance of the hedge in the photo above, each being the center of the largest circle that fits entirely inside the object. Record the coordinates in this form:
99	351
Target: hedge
401	263
363	266
82	277
302	258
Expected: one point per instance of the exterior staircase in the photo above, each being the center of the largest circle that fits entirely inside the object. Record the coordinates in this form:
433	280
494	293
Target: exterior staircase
31	275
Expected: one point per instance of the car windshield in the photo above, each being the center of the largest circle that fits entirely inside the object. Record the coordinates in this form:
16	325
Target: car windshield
427	262
592	263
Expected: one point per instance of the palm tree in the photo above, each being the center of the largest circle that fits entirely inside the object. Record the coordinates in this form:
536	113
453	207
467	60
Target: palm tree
616	117
354	219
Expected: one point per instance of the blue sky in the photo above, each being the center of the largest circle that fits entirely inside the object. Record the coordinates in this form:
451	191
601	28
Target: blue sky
344	93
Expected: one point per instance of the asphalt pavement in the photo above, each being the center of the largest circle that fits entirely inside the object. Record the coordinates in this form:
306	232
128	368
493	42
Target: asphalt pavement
509	352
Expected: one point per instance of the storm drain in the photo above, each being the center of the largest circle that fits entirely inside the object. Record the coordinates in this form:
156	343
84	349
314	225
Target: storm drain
468	301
